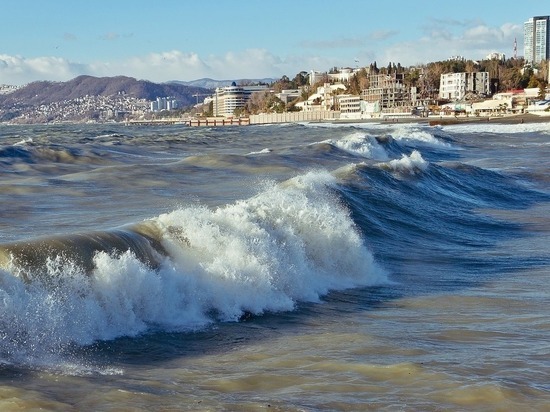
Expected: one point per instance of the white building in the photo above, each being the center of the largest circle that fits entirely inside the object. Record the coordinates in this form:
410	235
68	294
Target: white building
343	75
455	86
322	99
496	56
536	39
350	106
315	77
163	103
227	99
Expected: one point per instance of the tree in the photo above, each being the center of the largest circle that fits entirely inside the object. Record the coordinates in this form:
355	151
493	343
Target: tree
412	77
533	81
542	90
300	79
354	86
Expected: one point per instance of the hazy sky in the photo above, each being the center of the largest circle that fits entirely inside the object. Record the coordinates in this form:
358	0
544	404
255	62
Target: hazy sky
228	39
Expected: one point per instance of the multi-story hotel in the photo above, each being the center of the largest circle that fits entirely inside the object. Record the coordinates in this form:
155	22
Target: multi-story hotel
229	98
536	39
455	86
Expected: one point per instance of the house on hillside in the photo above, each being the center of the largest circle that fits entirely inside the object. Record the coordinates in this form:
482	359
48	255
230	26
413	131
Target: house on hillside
323	99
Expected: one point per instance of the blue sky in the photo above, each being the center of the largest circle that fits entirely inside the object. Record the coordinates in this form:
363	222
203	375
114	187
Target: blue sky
227	39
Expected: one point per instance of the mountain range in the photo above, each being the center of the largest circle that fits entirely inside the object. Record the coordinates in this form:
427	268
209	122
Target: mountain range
208	83
46	92
88	98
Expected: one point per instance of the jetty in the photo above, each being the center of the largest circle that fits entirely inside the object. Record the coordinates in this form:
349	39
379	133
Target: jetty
194	122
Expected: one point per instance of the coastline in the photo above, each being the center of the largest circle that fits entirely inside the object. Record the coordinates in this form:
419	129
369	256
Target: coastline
431	121
453	120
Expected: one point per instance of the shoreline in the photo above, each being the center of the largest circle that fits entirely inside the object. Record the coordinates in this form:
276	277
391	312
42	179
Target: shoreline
452	120
431	121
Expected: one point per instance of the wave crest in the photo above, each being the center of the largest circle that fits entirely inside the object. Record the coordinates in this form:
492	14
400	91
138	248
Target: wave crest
263	254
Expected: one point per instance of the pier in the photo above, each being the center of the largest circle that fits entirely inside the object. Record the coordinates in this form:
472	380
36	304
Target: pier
194	122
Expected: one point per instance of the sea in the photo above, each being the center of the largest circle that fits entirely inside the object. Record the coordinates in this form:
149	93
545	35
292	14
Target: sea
294	267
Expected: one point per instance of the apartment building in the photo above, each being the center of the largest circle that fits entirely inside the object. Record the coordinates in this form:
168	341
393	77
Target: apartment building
455	86
536	39
348	104
227	99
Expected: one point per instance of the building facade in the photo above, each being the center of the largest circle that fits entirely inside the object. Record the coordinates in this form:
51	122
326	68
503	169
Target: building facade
390	92
455	86
229	98
536	39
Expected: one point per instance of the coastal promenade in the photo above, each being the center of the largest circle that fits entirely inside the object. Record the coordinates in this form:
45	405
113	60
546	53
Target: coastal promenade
332	118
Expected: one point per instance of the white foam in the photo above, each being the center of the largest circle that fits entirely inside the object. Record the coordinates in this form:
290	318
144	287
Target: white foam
398	131
292	242
416	133
407	164
24	142
360	144
263	151
494	127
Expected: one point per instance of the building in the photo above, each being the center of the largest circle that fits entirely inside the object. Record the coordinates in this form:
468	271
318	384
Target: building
536	39
455	86
287	96
343	75
350	105
163	103
227	99
324	99
390	92
496	56
316	77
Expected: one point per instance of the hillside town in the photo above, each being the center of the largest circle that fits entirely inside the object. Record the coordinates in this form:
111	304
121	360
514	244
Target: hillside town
458	87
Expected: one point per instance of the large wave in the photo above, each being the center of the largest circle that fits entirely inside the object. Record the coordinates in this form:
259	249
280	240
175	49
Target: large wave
183	270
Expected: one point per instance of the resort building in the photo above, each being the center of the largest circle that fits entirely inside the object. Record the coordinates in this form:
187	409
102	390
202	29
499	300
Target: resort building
536	39
350	105
227	99
455	86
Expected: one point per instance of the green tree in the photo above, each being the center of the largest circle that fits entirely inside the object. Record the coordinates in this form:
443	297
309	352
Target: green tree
354	86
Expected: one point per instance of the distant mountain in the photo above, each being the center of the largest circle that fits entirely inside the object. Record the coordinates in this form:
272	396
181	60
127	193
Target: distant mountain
46	92
212	84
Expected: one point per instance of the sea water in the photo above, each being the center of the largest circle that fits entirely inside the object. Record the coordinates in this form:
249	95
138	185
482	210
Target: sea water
288	267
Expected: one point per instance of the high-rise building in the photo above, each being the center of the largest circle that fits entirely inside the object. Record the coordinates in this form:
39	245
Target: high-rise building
536	39
229	98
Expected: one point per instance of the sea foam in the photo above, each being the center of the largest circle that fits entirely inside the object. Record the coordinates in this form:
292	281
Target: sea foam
407	164
262	254
359	143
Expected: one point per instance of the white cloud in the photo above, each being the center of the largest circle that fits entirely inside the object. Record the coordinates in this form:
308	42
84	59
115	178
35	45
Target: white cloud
473	41
158	67
20	70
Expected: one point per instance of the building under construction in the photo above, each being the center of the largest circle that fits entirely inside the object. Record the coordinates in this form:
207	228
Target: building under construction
391	93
